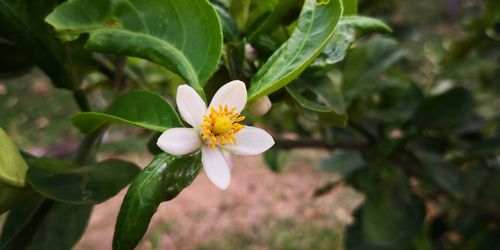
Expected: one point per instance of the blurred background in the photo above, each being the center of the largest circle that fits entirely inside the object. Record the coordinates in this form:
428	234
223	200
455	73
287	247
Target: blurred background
293	199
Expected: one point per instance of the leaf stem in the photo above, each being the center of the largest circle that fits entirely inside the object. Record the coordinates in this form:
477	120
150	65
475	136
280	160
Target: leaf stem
81	100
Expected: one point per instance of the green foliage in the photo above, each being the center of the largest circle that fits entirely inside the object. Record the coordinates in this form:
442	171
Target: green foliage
315	26
410	118
138	108
63	181
162	180
22	23
12	165
183	36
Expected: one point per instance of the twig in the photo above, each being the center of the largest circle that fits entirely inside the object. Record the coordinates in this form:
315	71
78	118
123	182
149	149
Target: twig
315	143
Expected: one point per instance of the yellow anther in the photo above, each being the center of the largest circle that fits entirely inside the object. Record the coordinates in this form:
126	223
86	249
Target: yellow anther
220	126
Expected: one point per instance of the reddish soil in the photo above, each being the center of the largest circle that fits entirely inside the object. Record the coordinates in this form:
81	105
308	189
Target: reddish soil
256	197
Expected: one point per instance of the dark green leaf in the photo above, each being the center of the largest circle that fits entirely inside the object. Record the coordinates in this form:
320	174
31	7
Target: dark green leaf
322	96
444	174
62	181
316	25
12	165
183	36
229	27
22	23
447	109
342	162
162	180
275	159
138	108
62	227
11	196
22	222
367	61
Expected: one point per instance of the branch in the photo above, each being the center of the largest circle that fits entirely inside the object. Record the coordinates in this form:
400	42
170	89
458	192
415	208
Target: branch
315	143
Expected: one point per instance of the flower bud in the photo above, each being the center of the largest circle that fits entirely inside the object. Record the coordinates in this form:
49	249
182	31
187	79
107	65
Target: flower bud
260	106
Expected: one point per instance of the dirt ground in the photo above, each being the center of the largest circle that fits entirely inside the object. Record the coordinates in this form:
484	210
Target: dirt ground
256	199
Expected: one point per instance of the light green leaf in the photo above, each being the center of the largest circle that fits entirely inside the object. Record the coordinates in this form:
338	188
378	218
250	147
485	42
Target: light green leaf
316	25
162	180
62	227
22	23
137	108
12	165
350	7
183	36
62	181
365	24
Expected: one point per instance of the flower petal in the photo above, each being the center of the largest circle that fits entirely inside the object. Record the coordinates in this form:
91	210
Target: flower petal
215	166
190	105
179	141
233	94
251	141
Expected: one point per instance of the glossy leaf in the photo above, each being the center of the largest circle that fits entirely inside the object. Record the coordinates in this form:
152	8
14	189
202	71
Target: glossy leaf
137	108
162	180
350	7
342	162
62	181
316	25
22	22
183	36
12	165
62	227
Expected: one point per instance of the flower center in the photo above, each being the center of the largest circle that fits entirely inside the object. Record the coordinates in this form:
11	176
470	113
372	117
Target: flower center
220	125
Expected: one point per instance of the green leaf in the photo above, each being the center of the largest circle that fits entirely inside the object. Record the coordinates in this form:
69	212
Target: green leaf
444	174
275	159
137	108
11	196
62	181
445	110
391	216
350	7
316	25
162	180
22	222
229	27
183	36
322	96
365	24
12	165
342	162
62	227
22	23
349	28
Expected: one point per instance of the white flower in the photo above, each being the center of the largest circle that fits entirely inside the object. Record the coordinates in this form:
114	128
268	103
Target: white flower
215	130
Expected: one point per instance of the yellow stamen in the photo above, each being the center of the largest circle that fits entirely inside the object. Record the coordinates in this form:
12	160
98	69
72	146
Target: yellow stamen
220	126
